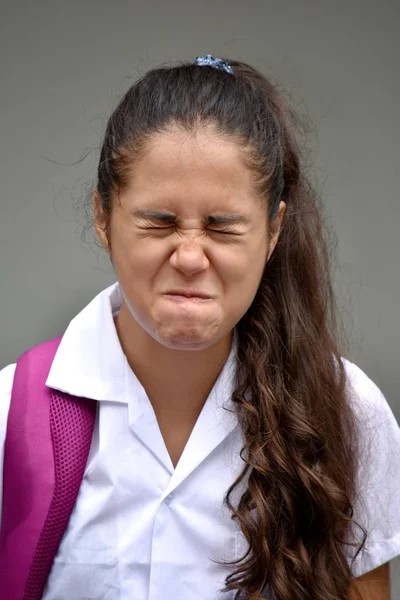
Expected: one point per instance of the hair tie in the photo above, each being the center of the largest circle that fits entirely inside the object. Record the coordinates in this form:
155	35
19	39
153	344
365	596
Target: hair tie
215	63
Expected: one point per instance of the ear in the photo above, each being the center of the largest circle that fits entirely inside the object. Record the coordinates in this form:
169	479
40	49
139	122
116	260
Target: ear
100	221
275	228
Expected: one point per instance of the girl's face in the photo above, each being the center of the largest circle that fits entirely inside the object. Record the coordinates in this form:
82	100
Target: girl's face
188	239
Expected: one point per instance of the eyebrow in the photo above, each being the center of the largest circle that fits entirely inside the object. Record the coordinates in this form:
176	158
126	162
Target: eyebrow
156	214
227	219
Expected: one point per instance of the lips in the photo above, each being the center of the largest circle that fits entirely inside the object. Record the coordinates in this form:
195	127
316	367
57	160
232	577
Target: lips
189	294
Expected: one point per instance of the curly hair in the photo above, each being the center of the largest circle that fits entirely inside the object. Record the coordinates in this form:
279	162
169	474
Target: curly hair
300	451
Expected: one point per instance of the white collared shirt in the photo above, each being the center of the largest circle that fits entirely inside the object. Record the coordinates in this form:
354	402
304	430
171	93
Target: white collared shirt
143	530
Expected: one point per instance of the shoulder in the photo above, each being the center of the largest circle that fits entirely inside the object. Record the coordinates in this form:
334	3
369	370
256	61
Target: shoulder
377	430
361	386
7	378
35	360
6	383
366	398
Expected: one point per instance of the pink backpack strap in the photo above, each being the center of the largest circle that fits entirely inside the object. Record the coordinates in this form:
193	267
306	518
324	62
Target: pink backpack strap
46	449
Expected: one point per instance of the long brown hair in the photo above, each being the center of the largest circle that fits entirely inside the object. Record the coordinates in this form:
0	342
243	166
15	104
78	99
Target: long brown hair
300	452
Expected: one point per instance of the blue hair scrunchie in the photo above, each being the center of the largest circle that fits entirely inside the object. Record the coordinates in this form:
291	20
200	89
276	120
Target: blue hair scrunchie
215	63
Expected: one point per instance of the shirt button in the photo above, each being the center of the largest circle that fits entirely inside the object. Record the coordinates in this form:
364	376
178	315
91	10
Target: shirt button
169	499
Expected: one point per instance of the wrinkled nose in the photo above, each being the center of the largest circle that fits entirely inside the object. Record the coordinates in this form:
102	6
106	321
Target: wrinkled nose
189	258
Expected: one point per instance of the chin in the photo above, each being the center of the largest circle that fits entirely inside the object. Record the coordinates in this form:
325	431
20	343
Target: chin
186	339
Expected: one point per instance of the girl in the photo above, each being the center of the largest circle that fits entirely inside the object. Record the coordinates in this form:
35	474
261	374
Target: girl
234	452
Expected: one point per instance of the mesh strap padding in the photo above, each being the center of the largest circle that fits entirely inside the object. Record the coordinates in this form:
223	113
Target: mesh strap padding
71	425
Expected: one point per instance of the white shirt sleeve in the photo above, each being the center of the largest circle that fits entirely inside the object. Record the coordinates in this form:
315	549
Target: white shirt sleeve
377	505
6	382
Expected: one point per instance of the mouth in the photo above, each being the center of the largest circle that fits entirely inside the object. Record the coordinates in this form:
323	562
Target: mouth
187	295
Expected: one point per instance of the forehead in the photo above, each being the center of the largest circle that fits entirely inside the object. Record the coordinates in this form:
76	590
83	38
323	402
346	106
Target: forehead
201	166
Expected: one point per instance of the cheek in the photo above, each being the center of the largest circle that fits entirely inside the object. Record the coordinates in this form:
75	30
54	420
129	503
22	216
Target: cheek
134	258
242	265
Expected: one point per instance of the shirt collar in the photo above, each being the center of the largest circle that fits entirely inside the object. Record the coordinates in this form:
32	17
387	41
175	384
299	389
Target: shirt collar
89	361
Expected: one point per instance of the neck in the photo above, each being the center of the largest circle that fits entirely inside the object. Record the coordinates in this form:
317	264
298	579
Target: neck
177	378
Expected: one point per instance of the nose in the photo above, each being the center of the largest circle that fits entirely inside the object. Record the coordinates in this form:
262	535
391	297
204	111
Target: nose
189	258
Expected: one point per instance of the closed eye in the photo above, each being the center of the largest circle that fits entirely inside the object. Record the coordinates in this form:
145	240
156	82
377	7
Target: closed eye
154	228
224	232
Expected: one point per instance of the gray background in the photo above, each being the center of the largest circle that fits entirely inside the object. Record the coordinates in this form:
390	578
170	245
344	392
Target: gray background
64	66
